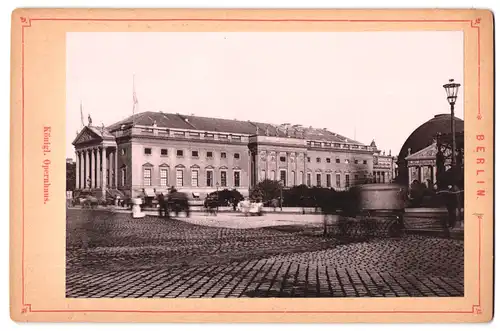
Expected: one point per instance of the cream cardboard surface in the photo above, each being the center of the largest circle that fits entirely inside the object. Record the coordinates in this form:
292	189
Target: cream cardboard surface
38	102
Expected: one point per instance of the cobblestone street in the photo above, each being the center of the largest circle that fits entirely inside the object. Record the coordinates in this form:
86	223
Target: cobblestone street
112	255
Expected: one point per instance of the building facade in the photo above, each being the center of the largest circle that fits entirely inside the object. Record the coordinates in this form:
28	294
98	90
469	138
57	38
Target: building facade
150	152
384	166
417	158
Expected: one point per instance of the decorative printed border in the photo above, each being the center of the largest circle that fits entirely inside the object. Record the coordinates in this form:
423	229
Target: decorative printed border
27	307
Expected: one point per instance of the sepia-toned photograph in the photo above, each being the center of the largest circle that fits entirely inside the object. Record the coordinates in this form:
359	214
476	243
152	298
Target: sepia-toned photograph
253	165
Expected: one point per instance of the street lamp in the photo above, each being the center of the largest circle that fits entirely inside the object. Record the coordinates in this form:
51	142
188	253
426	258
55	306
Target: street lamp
452	92
217	190
282	183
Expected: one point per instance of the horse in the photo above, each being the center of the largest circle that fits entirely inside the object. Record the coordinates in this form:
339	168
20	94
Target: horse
210	206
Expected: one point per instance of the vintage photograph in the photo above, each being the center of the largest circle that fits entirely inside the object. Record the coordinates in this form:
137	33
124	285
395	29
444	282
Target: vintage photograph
264	164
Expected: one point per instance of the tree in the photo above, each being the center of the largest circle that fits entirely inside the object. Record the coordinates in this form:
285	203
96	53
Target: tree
266	190
70	176
226	197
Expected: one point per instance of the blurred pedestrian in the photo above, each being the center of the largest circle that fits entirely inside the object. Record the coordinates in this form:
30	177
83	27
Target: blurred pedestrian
161	205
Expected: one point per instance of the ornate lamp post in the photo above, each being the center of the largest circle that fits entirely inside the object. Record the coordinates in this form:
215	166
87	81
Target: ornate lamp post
452	92
282	183
217	190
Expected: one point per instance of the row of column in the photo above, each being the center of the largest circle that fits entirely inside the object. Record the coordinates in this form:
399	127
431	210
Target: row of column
93	167
381	176
431	170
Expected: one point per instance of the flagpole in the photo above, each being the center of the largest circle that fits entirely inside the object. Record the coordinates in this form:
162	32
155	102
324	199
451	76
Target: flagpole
81	115
134	100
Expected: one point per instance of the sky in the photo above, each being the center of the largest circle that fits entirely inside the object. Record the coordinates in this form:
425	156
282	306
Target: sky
363	85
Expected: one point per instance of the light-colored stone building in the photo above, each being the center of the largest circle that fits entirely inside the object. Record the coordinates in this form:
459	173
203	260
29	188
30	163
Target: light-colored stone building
152	151
384	166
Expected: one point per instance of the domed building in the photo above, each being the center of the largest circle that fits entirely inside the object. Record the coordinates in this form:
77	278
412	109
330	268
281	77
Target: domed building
417	158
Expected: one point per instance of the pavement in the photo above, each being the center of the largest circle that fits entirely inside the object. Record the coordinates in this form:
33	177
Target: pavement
109	254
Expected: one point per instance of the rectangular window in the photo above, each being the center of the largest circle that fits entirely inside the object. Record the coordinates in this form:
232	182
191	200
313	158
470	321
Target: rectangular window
124	176
147	151
308	159
282	159
356	177
337	180
262	175
223	155
210	154
164	152
301	177
318	180
179	177
210	178
328	180
163	177
318	160
147	177
180	152
223	178
273	175
337	160
283	177
355	161
236	155
294	180
364	162
346	161
194	178
347	180
194	153
328	160
309	179
237	179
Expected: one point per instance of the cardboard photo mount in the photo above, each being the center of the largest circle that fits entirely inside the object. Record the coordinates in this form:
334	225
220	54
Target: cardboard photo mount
37	230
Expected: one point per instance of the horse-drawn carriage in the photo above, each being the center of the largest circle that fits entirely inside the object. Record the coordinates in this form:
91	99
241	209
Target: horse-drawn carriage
85	199
176	202
371	210
211	204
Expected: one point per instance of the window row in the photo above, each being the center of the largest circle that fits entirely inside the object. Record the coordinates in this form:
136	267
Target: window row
180	153
210	179
337	160
319	178
347	182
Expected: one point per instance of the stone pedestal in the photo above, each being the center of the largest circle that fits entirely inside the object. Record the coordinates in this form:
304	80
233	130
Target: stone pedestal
136	209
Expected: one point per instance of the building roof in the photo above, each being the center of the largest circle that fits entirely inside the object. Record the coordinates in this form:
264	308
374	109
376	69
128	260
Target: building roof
101	131
428	153
424	135
187	122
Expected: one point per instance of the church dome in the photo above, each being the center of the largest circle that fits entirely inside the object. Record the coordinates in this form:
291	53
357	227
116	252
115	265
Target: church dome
425	133
422	137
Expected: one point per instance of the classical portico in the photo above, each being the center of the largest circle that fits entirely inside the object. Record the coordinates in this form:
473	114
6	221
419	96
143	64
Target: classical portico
422	165
96	160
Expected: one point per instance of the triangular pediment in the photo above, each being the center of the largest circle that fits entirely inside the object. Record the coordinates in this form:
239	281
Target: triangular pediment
86	136
148	165
424	154
164	165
